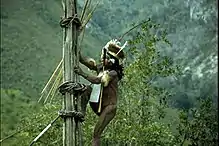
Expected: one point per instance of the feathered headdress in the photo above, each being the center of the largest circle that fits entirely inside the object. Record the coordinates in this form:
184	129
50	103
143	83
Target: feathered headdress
113	49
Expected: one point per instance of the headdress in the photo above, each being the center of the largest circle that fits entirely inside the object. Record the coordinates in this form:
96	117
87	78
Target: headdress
114	51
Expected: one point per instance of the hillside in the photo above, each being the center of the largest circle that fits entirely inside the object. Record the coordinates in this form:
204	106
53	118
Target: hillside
191	28
31	48
31	43
31	37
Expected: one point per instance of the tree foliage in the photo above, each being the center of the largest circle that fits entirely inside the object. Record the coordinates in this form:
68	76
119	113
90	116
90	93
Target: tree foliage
199	126
182	40
141	102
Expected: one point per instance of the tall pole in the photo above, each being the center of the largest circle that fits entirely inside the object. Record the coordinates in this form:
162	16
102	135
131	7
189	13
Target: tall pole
69	46
77	100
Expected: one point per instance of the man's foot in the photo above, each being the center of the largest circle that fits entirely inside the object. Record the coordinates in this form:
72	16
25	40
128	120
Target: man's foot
71	87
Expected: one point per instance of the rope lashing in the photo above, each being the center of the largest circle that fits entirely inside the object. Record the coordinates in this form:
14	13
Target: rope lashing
77	115
63	114
71	87
65	22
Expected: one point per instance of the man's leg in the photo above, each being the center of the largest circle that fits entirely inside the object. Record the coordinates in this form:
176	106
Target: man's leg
106	116
85	96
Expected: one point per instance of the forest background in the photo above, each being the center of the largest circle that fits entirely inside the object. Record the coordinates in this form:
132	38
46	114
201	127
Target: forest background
169	93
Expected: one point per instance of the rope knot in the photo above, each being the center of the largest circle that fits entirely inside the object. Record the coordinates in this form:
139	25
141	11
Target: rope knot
65	22
77	115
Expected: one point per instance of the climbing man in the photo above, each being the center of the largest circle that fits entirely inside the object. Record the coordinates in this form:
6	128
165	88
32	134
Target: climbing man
102	93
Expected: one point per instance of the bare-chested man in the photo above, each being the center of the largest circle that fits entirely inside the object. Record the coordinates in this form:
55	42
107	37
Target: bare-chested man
111	60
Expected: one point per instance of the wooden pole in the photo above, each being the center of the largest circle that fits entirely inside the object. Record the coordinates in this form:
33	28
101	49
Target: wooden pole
69	46
77	100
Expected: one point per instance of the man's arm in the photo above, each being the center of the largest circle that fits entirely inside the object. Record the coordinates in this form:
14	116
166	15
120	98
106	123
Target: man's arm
105	78
88	62
92	78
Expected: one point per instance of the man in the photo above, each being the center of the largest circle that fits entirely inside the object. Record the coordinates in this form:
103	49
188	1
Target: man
105	85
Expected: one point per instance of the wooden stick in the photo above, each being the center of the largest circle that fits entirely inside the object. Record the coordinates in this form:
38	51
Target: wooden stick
57	84
90	15
52	89
101	91
60	63
83	11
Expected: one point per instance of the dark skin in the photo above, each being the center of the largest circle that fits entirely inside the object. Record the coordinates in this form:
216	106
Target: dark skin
92	78
109	98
